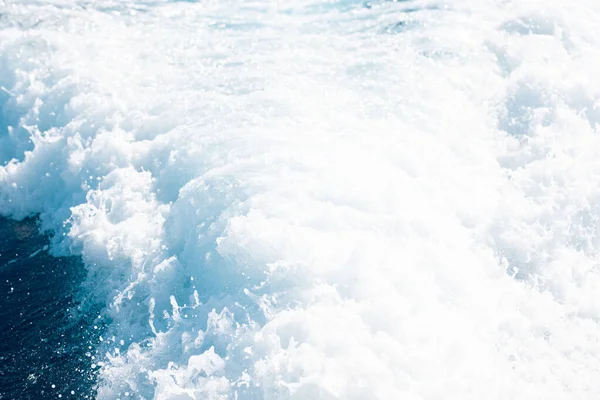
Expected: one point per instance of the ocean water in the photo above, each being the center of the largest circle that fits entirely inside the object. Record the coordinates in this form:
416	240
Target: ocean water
49	326
305	199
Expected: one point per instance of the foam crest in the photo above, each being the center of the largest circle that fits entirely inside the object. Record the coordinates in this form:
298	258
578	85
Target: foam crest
317	200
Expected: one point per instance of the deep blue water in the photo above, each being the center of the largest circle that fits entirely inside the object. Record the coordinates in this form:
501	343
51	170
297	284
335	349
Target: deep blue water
47	334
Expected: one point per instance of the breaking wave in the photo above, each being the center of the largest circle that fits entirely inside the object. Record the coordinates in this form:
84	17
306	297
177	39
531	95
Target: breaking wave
317	200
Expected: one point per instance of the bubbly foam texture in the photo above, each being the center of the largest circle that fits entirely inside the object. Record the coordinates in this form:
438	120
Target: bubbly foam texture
318	200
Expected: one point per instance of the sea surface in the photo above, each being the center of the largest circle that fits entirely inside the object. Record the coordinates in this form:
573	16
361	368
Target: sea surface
300	199
47	340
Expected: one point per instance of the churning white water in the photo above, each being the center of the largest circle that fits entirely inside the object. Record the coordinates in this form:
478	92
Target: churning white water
303	199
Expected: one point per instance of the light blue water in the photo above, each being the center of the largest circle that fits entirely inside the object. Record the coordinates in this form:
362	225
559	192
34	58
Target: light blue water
307	199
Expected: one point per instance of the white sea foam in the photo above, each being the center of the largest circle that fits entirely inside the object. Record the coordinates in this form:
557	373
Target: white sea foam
318	200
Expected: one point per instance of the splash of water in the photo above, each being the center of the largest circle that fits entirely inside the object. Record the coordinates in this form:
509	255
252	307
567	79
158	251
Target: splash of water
317	200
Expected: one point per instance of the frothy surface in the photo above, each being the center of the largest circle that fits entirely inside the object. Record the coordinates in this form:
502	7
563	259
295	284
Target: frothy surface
317	200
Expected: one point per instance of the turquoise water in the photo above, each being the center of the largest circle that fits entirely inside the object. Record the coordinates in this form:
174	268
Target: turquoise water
301	199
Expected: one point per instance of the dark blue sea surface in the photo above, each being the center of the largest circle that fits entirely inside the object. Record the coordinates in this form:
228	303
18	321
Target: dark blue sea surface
48	328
